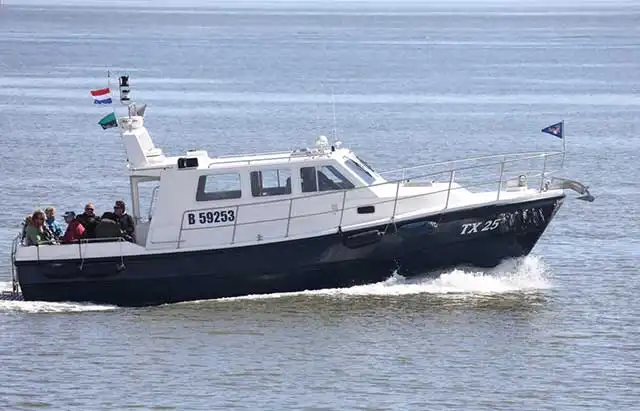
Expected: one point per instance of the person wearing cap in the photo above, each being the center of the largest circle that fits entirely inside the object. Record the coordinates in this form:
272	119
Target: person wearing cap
75	230
54	226
122	219
127	225
89	220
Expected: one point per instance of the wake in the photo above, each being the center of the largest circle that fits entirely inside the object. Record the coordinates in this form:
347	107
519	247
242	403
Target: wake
512	276
519	275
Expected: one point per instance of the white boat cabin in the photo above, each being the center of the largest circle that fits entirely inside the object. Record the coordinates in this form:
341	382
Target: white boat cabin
212	202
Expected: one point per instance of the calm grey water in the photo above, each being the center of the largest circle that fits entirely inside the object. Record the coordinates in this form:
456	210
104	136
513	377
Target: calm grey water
558	330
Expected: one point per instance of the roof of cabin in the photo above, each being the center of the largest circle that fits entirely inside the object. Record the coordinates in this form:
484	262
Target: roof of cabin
243	160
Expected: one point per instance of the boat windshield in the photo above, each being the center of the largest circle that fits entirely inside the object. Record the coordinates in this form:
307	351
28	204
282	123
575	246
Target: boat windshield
360	170
367	165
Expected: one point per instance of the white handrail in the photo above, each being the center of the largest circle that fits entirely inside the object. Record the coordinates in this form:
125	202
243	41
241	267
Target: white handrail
451	176
500	182
326	193
384	200
344	199
288	218
530	154
395	200
544	169
14	250
154	193
255	158
391	182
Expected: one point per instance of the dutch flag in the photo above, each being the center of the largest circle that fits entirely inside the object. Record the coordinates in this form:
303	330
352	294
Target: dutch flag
102	96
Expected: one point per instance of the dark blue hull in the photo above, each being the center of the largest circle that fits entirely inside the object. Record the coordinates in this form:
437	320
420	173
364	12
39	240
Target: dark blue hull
481	237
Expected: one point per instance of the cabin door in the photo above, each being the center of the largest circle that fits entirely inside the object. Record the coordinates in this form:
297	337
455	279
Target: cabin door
144	192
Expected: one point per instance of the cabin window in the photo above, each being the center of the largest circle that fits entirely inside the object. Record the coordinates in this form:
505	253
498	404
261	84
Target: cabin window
270	182
359	170
219	187
308	179
324	178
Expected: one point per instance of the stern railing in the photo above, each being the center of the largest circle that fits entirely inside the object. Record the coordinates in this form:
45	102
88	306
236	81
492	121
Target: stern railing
14	249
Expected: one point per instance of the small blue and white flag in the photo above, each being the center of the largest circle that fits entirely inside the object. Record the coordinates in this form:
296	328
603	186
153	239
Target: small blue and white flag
555	129
102	96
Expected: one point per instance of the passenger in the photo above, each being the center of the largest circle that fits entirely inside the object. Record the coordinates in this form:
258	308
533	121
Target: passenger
25	224
75	230
53	225
37	232
89	220
124	220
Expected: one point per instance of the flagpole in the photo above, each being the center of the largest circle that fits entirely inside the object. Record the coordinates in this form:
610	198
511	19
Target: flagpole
113	106
564	144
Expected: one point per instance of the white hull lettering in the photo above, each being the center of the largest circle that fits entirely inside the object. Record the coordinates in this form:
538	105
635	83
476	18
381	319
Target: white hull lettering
479	226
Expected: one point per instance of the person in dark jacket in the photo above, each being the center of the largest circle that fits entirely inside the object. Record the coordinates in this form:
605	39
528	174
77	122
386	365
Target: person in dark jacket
89	220
124	220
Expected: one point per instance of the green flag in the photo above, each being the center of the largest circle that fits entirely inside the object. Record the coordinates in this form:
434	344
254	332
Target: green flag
108	121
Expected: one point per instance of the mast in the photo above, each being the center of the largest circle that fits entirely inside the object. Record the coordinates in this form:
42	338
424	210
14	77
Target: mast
125	100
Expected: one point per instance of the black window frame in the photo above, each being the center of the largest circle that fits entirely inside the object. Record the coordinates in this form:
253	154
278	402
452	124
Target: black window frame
345	184
258	189
203	195
305	187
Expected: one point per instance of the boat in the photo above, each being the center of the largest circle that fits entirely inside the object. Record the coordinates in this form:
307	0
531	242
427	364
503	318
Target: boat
310	218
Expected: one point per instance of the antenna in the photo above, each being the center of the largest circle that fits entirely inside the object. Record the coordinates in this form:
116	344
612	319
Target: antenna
333	104
333	100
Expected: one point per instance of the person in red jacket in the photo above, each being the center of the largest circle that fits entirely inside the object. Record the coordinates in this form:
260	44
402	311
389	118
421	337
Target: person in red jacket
75	230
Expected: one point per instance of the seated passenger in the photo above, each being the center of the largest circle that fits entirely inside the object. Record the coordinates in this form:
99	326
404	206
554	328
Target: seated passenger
37	232
25	224
89	220
53	225
75	230
124	220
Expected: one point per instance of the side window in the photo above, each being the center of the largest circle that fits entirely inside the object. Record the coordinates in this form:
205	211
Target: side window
219	187
270	182
308	181
330	179
324	178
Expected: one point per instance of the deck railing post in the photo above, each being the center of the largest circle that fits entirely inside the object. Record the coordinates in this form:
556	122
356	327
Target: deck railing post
14	250
235	223
344	199
544	170
395	201
451	176
289	218
504	159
